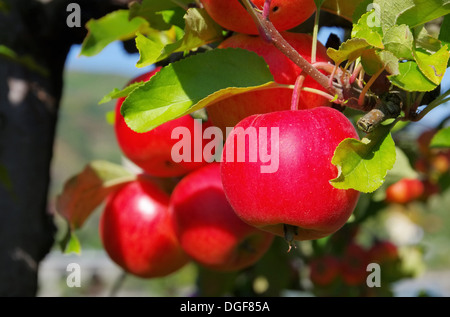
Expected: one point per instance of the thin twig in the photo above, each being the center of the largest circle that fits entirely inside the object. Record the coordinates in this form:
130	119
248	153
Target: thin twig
269	32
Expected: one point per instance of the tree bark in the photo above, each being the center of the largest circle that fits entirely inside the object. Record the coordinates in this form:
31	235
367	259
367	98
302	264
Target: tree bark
29	103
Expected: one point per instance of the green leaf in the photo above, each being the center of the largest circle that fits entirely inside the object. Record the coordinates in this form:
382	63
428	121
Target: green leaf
160	14
120	93
84	192
433	66
342	8
112	27
25	60
399	40
363	7
410	12
374	60
441	139
71	244
150	50
444	34
372	34
193	83
423	11
411	78
349	50
200	30
363	165
425	41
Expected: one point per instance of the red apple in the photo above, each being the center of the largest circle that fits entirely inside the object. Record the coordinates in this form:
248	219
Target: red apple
279	180
228	112
405	191
207	227
383	252
324	270
137	230
284	14
354	265
152	150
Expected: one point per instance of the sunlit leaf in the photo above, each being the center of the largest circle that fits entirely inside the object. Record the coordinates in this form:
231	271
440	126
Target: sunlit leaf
200	30
349	50
364	164
399	40
193	83
109	28
372	34
411	78
433	66
441	139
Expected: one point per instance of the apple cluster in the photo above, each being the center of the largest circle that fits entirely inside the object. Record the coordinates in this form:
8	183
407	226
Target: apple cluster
347	271
225	214
433	166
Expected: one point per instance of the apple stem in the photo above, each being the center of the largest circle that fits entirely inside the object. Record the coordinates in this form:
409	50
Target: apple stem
297	91
118	284
289	234
315	36
356	73
266	9
362	97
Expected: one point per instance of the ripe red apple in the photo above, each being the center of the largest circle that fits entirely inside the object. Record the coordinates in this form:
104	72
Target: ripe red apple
278	178
324	270
151	150
405	191
137	230
228	112
284	14
207	227
354	265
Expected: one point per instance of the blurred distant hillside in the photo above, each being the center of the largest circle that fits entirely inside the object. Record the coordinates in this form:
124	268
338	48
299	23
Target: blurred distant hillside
83	133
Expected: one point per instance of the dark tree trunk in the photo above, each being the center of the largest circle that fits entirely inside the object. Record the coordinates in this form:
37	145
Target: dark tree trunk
29	102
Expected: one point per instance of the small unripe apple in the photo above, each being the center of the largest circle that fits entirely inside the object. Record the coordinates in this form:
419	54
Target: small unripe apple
207	227
278	179
137	230
405	191
228	112
152	150
284	14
